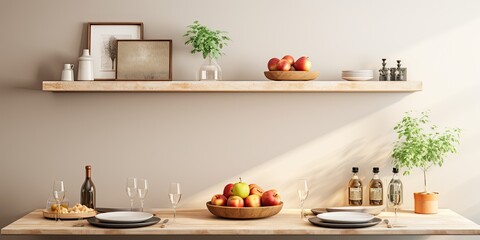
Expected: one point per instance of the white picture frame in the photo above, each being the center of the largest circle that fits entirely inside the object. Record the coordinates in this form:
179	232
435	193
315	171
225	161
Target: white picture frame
102	38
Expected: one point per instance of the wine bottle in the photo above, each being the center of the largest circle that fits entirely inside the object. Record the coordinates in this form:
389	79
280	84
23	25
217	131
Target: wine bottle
355	191
376	189
87	193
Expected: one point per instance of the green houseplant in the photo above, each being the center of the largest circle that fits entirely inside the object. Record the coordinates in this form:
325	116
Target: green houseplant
210	43
421	145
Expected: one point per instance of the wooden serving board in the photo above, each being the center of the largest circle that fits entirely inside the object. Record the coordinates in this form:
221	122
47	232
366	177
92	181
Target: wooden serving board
291	75
51	215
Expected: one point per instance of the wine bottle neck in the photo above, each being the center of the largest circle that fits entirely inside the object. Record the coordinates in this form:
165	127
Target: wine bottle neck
88	172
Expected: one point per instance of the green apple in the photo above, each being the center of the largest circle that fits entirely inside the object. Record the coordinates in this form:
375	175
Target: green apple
241	189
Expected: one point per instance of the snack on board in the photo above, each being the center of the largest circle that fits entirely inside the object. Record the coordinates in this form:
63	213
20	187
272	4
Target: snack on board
78	208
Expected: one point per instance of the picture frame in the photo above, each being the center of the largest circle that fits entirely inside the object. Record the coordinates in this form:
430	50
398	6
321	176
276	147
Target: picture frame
144	60
102	38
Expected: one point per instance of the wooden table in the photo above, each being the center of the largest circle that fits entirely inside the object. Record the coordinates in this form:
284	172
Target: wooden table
287	222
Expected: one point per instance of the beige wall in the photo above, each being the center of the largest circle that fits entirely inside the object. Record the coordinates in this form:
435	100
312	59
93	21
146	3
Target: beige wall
205	140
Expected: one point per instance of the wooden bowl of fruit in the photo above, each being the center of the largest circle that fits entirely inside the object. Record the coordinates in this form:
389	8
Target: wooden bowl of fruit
243	212
243	201
291	75
287	69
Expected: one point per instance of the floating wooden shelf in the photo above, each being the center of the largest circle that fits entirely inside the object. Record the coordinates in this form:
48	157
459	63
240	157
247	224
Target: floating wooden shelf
231	86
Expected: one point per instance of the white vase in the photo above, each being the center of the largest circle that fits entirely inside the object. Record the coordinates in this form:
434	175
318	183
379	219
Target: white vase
210	70
67	72
85	66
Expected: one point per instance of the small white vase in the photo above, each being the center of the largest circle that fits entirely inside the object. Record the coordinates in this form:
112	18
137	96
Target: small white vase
67	72
85	66
210	70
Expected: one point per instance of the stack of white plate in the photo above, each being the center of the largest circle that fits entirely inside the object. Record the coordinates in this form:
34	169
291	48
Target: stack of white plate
345	220
123	219
357	75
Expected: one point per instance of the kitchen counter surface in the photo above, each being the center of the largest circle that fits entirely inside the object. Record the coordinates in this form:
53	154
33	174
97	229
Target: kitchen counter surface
287	222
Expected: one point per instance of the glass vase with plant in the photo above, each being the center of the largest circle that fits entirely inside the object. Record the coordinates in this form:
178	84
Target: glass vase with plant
210	43
421	145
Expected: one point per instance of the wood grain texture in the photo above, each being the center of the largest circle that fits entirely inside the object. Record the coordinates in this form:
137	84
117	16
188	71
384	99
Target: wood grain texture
231	86
287	222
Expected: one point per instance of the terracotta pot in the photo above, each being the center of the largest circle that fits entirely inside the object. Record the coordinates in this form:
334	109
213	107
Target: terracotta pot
426	203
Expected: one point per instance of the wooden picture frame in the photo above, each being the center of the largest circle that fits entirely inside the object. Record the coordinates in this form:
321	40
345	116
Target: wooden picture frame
102	38
144	60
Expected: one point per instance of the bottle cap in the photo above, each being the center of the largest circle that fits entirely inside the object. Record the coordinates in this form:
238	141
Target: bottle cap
355	169
376	170
395	170
88	167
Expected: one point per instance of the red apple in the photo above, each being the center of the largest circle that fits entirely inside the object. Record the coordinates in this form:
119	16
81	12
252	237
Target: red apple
289	58
253	201
219	200
228	190
255	190
272	64
303	64
283	65
271	198
235	201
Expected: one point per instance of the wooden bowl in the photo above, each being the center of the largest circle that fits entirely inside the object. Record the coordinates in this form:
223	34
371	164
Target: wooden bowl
244	212
291	75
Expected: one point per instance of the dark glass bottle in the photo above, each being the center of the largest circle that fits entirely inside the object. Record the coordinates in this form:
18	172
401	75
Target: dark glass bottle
87	193
355	190
376	189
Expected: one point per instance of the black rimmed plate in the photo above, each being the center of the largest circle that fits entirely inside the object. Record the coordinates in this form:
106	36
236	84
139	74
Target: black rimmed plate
98	223
316	221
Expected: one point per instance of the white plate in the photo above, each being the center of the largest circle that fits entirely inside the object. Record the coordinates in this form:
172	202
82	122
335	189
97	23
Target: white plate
357	78
124	217
357	71
345	217
374	210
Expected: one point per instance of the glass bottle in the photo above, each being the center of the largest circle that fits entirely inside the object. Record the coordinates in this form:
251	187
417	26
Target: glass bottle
355	191
395	191
375	189
210	70
87	192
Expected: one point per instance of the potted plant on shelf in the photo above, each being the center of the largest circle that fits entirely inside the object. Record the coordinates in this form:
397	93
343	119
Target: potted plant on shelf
420	145
209	43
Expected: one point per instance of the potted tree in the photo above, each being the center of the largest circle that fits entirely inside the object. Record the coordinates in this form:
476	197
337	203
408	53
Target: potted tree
209	43
421	145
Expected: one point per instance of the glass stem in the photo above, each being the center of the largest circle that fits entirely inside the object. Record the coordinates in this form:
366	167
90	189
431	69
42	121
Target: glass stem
56	213
131	204
302	214
174	213
141	204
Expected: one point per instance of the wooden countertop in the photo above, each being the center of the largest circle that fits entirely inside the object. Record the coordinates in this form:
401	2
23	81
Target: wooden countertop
287	222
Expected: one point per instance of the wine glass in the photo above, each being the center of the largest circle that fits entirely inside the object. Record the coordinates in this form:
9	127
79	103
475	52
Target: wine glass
395	197
131	190
175	195
58	195
302	190
142	189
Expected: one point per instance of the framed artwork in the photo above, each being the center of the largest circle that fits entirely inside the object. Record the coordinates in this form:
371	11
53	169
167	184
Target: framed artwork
149	60
102	38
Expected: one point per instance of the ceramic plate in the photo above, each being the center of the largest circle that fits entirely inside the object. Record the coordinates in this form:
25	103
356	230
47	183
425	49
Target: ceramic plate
345	217
357	78
316	221
374	210
98	223
124	217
